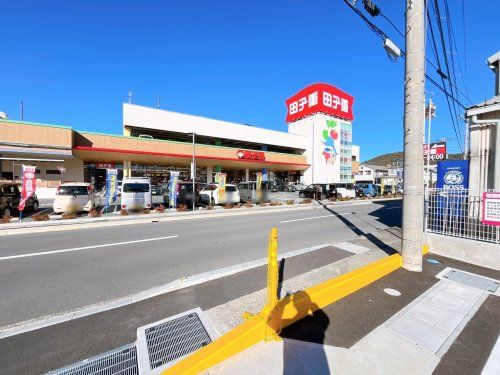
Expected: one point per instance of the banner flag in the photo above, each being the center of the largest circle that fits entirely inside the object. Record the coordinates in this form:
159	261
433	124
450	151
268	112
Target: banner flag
28	184
111	186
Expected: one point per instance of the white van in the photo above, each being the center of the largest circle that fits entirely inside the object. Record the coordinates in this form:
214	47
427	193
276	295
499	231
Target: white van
136	193
345	190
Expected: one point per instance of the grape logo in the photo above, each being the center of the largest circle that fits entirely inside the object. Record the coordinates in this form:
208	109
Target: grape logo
329	136
453	177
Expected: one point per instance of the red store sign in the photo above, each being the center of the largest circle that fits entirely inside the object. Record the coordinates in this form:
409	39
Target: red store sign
251	155
319	98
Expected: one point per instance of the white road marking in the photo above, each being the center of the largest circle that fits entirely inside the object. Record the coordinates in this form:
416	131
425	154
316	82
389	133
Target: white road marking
351	247
85	248
312	218
393	208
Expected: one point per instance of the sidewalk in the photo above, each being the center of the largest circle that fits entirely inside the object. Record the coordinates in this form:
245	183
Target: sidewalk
403	323
223	299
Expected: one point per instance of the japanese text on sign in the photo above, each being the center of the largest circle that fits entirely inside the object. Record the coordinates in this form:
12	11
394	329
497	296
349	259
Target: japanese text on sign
491	208
28	185
322	98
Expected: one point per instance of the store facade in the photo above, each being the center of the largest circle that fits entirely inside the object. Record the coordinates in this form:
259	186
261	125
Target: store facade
155	142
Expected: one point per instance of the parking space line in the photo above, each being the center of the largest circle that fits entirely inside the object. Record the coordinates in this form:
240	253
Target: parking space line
85	248
393	208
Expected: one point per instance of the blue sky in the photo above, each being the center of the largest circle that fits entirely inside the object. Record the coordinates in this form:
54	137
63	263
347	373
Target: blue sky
73	62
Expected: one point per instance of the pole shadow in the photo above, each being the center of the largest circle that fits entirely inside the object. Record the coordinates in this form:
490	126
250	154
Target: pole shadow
389	250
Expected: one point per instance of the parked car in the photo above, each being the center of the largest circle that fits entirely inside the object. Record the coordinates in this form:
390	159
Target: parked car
76	197
368	190
156	190
210	195
359	190
136	193
10	196
296	186
313	191
184	193
248	192
345	190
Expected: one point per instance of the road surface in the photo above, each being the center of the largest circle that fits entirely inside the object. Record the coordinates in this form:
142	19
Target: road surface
48	273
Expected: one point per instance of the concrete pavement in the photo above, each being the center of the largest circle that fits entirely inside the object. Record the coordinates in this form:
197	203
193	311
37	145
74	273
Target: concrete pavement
87	266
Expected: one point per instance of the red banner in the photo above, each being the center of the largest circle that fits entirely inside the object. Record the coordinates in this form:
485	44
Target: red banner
28	185
319	98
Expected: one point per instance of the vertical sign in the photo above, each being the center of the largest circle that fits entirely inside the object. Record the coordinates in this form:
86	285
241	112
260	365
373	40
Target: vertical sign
222	186
172	187
111	186
453	174
28	184
491	208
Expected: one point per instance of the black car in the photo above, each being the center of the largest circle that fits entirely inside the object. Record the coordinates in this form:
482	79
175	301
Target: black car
314	190
184	193
10	196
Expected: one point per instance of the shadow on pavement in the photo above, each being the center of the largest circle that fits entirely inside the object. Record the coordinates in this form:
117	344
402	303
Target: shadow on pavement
381	245
312	328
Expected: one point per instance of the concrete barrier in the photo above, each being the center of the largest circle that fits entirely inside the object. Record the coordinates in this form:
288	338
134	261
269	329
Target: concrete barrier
480	253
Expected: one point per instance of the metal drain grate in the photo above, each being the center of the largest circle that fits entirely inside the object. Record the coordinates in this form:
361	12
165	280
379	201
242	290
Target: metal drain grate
121	361
475	281
164	342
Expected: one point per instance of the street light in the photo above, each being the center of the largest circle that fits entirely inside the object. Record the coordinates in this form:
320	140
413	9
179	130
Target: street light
193	171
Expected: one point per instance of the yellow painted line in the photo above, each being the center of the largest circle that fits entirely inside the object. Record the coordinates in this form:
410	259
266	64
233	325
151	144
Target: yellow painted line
289	310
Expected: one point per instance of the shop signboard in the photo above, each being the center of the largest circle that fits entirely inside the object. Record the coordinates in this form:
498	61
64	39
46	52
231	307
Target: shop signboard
111	186
437	150
453	174
251	155
491	208
319	98
172	193
221	178
104	165
28	184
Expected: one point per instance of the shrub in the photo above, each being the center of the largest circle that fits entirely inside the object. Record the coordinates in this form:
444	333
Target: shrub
160	208
263	204
306	201
41	216
227	206
145	211
332	199
182	208
123	212
68	215
209	207
238	205
274	203
248	204
94	213
6	218
290	201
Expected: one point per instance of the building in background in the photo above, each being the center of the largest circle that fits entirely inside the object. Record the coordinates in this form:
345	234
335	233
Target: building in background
316	148
355	160
323	115
483	121
371	174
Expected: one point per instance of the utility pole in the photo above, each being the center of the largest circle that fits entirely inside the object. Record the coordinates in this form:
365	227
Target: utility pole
193	172
413	191
22	110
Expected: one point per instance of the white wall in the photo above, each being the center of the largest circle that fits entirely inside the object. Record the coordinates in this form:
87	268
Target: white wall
356	152
152	118
321	170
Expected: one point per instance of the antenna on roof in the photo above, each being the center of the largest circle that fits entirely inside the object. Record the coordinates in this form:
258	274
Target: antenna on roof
130	93
158	104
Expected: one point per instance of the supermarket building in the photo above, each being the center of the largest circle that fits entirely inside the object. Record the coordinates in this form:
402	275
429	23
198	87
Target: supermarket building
316	148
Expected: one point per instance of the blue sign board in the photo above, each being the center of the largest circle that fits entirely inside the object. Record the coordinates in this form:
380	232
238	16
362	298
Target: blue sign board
453	174
111	186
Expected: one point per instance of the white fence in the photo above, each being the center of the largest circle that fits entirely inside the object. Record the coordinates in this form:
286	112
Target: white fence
457	213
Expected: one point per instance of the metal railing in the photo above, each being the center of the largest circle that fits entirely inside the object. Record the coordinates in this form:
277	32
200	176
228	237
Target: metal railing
458	213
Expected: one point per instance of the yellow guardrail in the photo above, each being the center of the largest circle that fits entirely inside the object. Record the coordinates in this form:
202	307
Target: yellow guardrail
276	315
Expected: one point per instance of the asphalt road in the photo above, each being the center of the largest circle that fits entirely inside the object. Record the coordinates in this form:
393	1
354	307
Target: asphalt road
43	274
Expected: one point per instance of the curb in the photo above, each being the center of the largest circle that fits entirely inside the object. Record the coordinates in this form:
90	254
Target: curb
61	225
